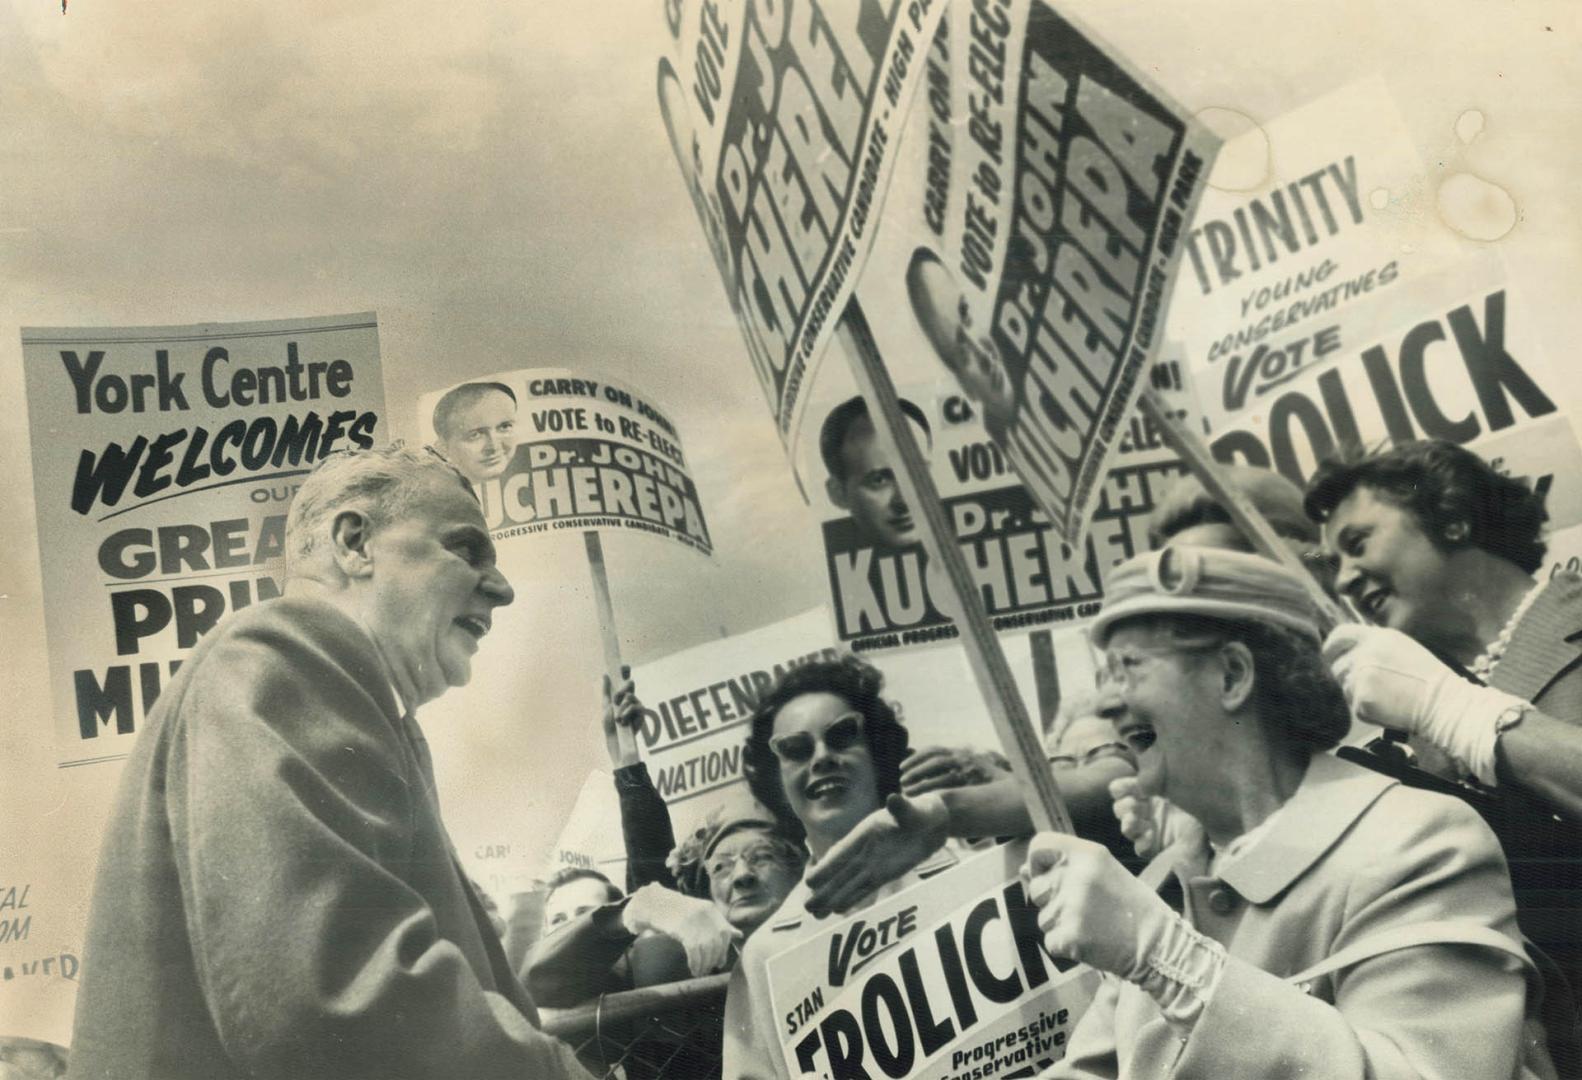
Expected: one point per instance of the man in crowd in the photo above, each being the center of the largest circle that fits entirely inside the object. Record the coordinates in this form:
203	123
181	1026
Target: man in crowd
277	895
575	891
734	872
861	476
475	428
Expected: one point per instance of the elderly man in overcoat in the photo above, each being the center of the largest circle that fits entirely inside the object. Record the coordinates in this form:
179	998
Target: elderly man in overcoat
277	896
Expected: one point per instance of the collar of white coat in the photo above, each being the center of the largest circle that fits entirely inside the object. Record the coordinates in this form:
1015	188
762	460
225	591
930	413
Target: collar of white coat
1333	794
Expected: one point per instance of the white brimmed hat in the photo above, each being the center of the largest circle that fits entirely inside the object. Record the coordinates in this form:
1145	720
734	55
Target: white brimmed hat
1212	582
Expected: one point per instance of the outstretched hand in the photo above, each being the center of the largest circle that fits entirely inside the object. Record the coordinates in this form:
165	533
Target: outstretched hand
695	923
936	768
884	845
622	709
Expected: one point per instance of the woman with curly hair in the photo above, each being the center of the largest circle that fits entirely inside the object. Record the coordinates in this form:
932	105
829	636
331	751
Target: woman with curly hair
1439	552
825	751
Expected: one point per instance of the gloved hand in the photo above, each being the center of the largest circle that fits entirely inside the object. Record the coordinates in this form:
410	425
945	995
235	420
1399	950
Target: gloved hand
883	846
1134	810
1092	910
1391	680
1149	822
696	924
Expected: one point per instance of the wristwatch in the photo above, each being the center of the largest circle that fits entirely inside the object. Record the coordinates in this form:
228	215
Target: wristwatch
1509	717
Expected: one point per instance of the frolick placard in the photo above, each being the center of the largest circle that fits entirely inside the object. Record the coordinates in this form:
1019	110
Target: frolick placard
947	980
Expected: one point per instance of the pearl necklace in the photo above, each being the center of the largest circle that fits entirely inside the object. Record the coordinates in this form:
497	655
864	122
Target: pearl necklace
1494	652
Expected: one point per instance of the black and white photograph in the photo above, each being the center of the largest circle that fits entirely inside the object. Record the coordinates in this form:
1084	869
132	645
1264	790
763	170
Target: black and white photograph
755	539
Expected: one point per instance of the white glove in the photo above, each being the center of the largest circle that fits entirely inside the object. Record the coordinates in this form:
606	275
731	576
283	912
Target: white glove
1392	681
1134	811
1092	910
1149	822
696	924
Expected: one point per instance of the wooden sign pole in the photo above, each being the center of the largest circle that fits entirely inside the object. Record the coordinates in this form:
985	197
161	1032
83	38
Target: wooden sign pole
1194	452
1017	735
612	644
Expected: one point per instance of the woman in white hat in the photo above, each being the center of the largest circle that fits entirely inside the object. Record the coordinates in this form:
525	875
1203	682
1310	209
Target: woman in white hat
1331	923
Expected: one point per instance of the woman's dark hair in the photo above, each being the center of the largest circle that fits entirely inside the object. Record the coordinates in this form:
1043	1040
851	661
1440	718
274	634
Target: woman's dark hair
1294	690
569	874
855	682
1440	484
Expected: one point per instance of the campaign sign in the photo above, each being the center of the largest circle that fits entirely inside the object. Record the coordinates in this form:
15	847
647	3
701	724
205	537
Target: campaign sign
164	462
1061	181
884	593
947	980
549	449
785	119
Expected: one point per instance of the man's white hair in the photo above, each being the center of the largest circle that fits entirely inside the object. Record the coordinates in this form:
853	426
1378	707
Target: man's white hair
380	483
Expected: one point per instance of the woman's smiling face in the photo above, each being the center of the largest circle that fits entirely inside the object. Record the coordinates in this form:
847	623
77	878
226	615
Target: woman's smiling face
826	767
1392	570
1168	723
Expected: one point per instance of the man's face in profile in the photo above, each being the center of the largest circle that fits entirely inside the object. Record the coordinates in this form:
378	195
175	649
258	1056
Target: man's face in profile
868	490
576	897
942	313
482	437
433	587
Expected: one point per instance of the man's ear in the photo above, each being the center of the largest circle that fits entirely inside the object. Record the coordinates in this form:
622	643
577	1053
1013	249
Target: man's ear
837	493
349	535
1238	676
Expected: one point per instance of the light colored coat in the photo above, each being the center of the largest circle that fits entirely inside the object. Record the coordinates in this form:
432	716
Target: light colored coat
1352	856
277	896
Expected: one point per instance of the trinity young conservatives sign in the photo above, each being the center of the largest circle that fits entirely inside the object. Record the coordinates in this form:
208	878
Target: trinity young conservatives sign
1321	320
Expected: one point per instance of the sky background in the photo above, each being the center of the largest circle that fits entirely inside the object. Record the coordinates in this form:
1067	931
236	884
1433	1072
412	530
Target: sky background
493	180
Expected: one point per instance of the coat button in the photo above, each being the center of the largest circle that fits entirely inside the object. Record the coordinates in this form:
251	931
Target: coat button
1221	900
